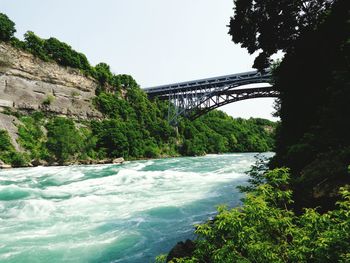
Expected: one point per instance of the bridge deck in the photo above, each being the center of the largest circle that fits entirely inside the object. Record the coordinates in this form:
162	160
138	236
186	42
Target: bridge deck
217	82
196	97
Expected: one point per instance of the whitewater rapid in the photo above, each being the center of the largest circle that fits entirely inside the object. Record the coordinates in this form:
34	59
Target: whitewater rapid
112	213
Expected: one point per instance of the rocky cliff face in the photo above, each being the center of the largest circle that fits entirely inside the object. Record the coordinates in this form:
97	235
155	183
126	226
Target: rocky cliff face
28	83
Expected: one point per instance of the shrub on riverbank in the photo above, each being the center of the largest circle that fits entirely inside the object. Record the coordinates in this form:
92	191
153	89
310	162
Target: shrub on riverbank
264	229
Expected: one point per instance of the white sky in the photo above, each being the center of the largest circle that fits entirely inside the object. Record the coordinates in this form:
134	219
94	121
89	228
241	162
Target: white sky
155	41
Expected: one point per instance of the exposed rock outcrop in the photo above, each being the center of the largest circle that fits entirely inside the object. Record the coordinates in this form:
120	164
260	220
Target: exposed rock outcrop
118	160
28	83
181	250
4	165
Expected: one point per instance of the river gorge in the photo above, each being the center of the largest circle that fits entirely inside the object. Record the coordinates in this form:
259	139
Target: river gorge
126	213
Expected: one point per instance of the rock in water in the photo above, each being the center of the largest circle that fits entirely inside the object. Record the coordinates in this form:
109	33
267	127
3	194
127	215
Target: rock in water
181	250
4	165
118	160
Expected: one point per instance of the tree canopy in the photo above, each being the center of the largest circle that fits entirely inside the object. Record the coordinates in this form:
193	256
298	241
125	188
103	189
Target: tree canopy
313	81
7	28
267	26
64	140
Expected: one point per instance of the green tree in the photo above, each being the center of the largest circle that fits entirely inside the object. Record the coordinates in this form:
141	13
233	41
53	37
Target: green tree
112	137
312	138
64	141
8	154
274	25
35	45
103	73
64	55
7	28
31	136
5	142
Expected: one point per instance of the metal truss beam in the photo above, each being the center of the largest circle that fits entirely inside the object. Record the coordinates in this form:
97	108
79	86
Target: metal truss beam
195	98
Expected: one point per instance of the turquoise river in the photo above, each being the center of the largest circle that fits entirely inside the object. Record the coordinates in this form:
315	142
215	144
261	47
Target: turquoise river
125	213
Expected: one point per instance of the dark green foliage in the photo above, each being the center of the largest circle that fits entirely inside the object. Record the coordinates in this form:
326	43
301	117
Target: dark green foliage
8	154
53	49
35	45
112	137
216	132
270	26
151	150
313	137
5	142
64	141
103	73
113	106
7	28
144	125
314	85
256	174
88	150
15	42
64	55
32	137
264	230
135	127
123	81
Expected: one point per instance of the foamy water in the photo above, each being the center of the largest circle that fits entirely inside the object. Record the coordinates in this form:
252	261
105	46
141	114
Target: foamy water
112	213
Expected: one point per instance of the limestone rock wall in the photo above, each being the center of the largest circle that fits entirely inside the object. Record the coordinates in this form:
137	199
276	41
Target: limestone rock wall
27	82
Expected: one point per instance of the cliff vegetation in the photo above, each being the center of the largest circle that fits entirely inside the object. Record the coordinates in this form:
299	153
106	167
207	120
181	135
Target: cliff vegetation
106	117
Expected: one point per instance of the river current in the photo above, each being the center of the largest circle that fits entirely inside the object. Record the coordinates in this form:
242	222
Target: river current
125	213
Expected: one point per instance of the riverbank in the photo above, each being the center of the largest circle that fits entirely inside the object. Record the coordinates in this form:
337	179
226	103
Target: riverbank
118	160
43	163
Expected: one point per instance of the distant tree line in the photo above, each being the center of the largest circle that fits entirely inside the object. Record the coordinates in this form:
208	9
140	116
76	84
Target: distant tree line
132	132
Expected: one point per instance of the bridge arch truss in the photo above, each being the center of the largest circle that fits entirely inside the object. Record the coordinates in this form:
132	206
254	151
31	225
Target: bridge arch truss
195	98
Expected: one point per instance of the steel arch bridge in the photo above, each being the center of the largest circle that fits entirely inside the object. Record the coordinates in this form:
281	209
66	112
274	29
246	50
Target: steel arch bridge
195	98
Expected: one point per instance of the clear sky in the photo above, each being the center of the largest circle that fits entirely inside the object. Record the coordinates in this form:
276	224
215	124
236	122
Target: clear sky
155	41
